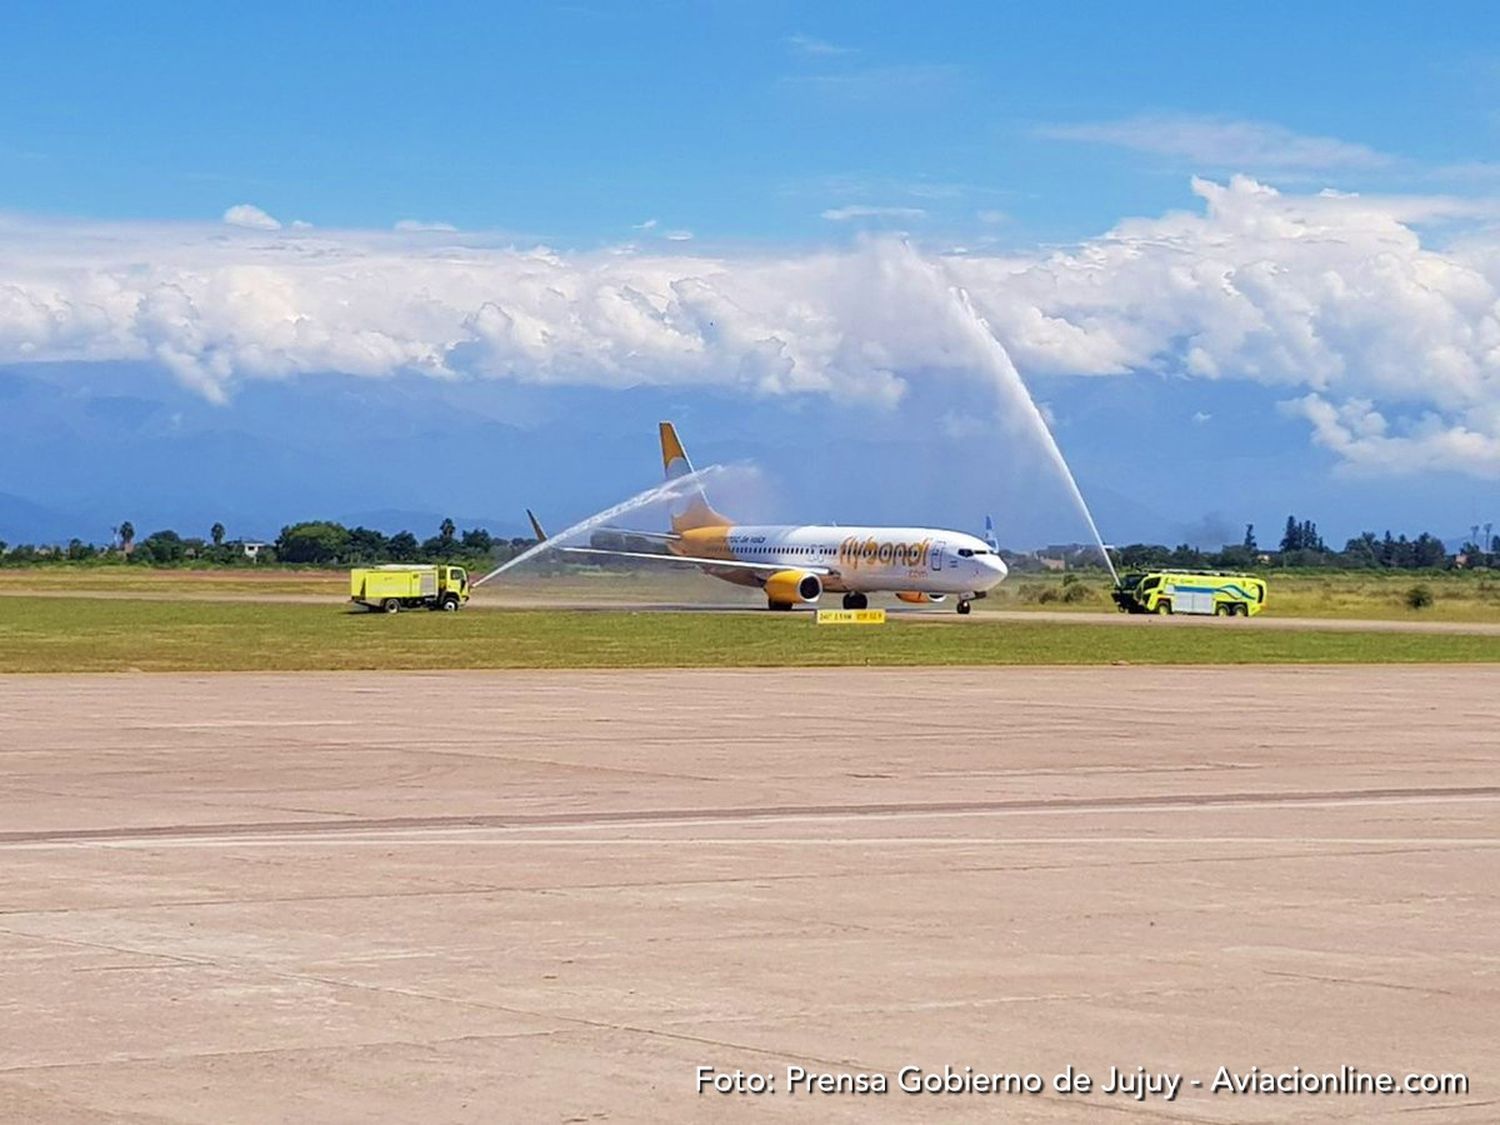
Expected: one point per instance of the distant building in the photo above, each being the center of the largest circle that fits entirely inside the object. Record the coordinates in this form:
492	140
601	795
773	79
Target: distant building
253	549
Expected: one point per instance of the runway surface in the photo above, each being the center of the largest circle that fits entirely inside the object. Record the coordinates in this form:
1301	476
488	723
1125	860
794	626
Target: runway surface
551	896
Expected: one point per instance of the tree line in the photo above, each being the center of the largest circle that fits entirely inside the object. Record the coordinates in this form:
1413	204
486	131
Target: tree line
313	542
1302	545
328	543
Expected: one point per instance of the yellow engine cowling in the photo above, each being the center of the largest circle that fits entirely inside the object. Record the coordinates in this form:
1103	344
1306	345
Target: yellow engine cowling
789	586
917	597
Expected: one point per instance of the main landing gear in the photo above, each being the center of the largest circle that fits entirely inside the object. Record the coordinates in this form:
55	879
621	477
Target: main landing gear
856	601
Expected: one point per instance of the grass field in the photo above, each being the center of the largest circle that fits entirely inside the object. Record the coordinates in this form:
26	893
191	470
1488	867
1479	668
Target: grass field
1458	596
122	634
238	582
1470	596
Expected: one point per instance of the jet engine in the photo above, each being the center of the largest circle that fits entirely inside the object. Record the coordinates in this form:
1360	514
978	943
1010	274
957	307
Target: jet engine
786	587
918	597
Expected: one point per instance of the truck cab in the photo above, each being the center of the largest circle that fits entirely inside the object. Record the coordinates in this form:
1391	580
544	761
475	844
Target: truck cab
456	579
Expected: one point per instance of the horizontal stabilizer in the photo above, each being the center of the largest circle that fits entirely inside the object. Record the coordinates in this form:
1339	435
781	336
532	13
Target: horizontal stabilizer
659	536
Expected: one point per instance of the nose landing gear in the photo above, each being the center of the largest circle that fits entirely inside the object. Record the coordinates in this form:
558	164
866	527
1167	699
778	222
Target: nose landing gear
965	602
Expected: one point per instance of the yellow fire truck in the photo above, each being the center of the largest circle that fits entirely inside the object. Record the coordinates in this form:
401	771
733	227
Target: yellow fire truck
1191	591
394	588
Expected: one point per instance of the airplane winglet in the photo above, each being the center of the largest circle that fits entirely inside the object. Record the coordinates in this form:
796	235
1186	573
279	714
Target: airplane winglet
541	536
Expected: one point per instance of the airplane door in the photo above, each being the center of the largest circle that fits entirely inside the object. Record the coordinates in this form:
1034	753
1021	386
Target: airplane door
938	550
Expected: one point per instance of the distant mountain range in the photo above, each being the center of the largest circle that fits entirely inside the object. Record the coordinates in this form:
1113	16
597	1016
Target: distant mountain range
88	446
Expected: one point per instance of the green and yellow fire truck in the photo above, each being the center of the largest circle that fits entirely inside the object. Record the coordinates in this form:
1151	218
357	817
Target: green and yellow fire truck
1203	592
394	588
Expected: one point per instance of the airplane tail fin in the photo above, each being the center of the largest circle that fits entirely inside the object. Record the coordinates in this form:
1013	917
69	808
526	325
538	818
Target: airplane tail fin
541	536
989	535
692	511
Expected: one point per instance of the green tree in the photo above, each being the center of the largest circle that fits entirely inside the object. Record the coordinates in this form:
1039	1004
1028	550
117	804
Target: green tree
367	545
1291	539
477	541
1187	556
447	530
164	546
1364	551
319	541
127	536
1249	543
1144	556
402	547
216	533
1428	551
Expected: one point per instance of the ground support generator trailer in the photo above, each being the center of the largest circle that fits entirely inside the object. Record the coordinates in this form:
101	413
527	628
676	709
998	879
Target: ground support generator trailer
1203	592
394	588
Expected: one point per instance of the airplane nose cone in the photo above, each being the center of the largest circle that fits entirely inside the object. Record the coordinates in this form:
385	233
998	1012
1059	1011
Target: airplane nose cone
995	568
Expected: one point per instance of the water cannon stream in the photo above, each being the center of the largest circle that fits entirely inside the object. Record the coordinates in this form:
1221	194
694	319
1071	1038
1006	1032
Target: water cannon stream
1014	392
675	489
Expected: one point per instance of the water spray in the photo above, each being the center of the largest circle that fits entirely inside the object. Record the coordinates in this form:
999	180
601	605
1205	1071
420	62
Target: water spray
1012	388
672	490
1011	379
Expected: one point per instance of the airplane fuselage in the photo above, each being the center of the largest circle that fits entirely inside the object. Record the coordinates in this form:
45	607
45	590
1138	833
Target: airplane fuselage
853	559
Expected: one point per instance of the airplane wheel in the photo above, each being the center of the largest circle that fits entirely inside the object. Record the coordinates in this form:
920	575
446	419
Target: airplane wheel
964	608
781	607
856	601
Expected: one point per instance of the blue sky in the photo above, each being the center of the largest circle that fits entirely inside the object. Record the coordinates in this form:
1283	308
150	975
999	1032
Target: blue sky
573	122
229	216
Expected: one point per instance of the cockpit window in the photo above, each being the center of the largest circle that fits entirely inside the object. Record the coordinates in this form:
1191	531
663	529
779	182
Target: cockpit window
964	552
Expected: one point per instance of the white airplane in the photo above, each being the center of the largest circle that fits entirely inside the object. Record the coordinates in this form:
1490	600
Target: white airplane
796	565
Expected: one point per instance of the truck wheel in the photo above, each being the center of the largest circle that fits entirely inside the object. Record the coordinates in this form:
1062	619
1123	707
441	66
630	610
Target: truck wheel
1164	607
450	603
391	605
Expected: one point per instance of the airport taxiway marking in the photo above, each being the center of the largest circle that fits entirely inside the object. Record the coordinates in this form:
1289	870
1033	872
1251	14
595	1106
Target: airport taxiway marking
447	838
515	826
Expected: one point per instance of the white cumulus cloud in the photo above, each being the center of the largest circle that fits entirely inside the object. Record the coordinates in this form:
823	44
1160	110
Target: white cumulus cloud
1388	344
250	217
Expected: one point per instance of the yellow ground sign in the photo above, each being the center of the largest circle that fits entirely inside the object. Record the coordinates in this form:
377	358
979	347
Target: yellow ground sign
851	617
